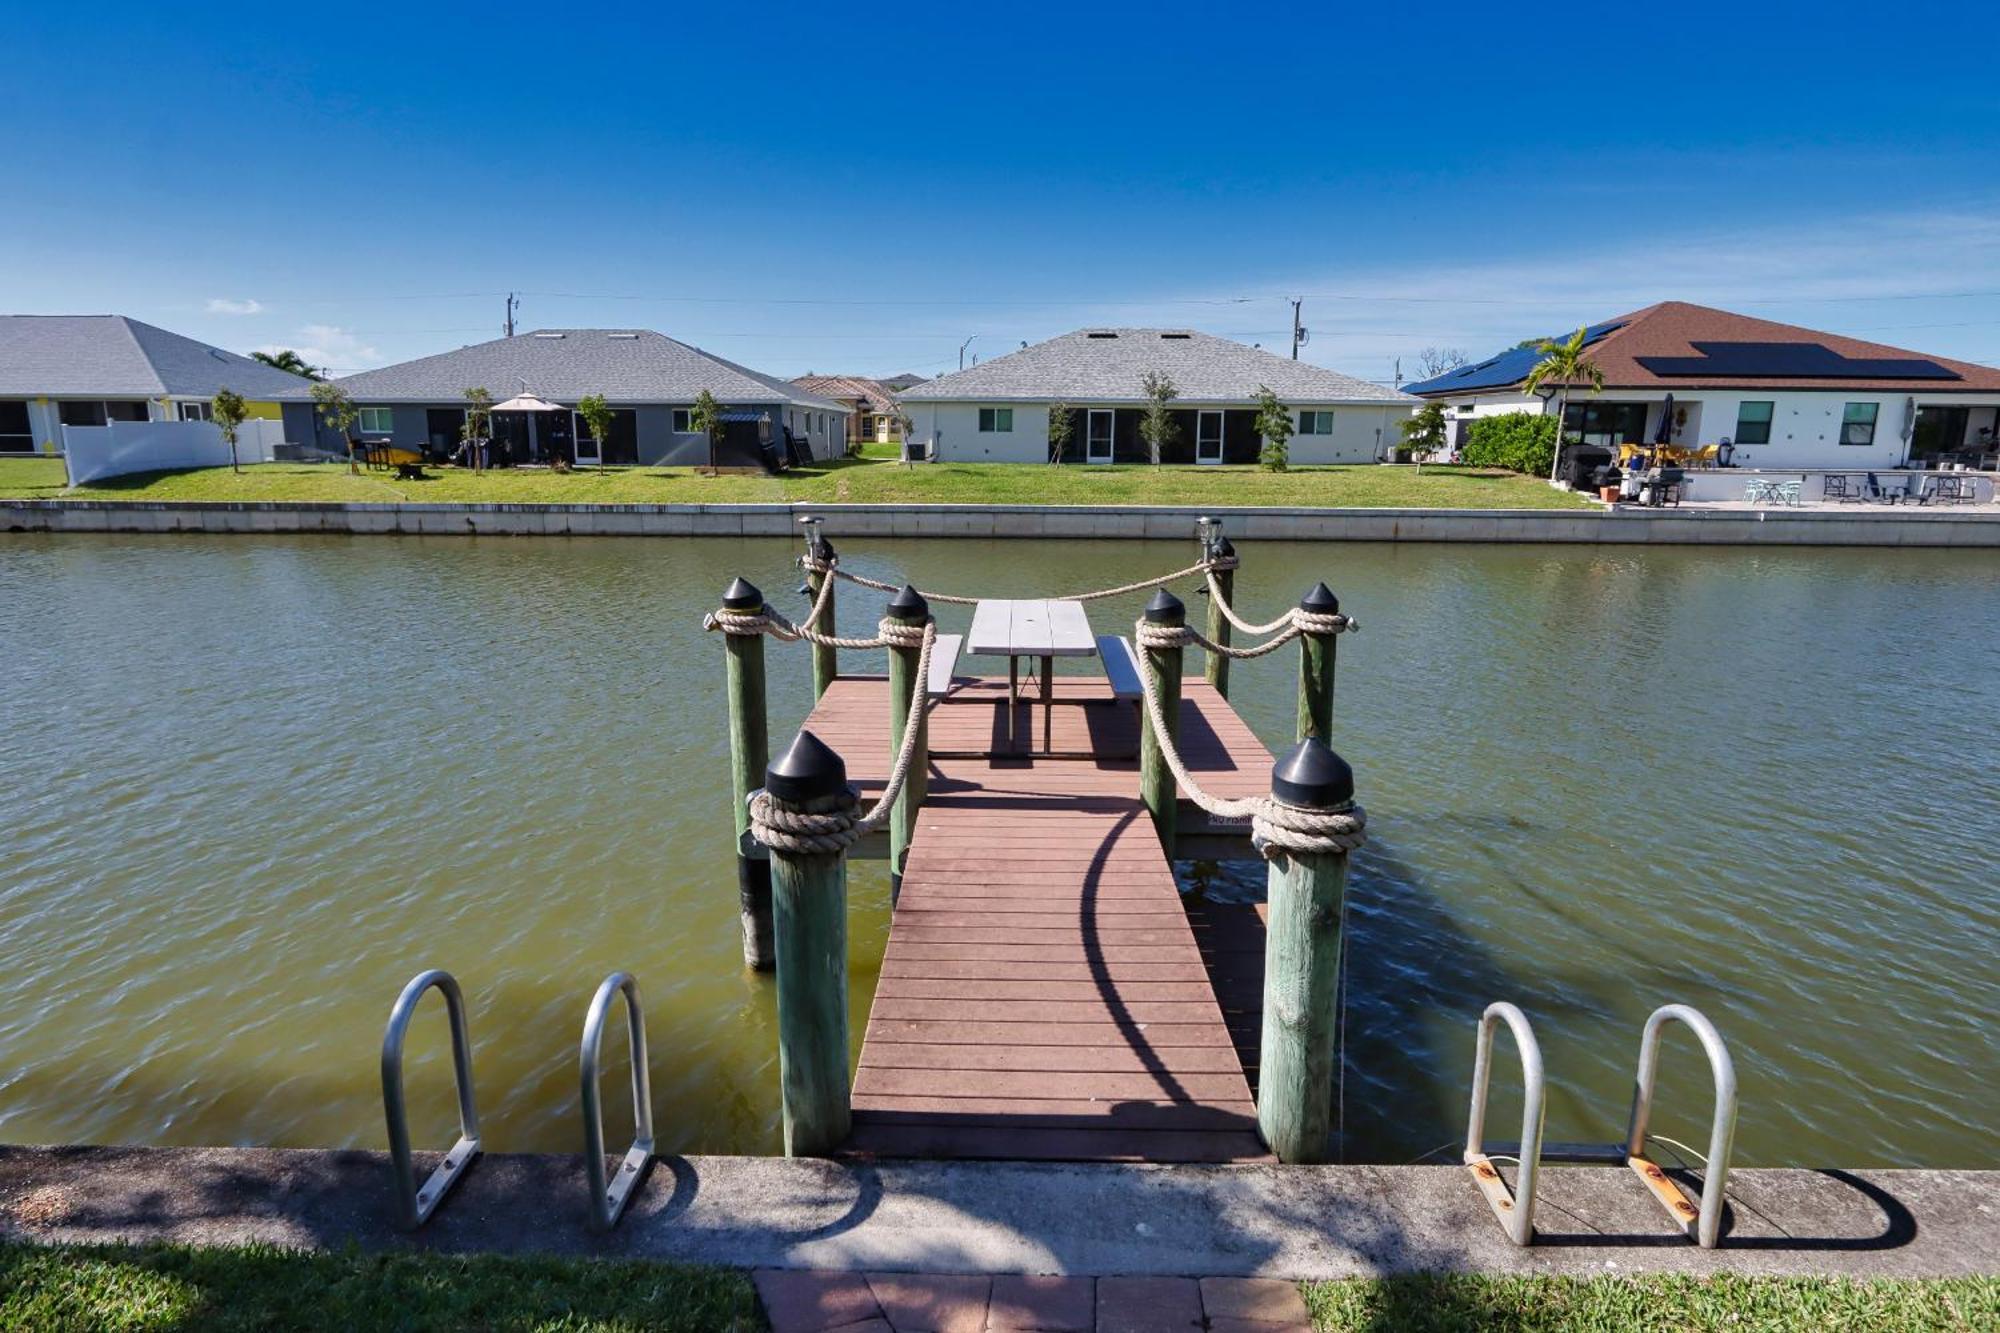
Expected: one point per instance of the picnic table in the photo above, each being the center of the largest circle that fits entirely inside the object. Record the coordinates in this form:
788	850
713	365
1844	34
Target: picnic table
1030	628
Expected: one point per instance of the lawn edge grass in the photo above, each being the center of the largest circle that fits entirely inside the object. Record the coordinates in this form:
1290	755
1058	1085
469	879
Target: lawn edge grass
57	1288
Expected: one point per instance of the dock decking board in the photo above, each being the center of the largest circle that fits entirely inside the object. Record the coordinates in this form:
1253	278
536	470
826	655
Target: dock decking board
1042	995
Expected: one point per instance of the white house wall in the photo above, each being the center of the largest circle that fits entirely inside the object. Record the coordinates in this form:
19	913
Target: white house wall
1361	433
1805	424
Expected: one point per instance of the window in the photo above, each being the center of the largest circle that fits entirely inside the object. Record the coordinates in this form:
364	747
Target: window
1857	423
1753	423
80	414
197	411
15	435
377	421
1315	423
683	421
127	412
996	420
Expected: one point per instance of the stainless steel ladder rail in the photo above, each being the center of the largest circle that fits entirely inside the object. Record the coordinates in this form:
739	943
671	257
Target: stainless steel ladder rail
607	1201
414	1206
1706	1225
1516	1209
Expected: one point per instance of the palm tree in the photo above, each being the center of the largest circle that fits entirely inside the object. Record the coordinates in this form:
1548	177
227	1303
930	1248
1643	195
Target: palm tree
287	360
1562	364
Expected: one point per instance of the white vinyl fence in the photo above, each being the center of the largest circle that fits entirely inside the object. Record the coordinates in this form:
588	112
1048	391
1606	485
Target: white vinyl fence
96	452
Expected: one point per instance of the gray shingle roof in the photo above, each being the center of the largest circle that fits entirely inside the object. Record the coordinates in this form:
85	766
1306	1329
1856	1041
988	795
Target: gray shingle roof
1105	365
563	365
113	356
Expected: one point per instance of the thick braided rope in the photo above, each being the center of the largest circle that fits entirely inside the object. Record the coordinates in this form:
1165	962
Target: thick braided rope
1295	623
767	620
953	599
1276	824
1308	622
823	831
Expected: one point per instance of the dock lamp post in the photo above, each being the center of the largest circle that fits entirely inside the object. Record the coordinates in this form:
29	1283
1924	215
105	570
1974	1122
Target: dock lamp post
819	557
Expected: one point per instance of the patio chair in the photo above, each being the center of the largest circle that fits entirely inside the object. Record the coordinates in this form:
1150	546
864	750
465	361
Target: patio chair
1838	488
1871	490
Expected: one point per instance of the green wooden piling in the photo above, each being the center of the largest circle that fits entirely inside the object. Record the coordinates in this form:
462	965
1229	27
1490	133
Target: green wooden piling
1156	780
749	749
826	658
1218	624
1316	655
1298	1058
809	902
908	608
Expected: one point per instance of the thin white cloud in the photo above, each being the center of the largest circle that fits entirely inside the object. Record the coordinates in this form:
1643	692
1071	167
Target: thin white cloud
332	348
222	305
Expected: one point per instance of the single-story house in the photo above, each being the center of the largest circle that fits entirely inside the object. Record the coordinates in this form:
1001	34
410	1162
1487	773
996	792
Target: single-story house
91	370
998	411
649	381
872	402
1779	396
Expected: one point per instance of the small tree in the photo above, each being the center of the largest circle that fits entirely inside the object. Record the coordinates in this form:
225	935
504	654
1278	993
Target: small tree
338	413
705	419
1274	423
1563	364
1156	424
1062	429
230	413
478	427
596	414
1424	433
1435	361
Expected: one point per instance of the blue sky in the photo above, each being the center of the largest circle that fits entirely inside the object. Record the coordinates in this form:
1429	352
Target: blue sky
835	189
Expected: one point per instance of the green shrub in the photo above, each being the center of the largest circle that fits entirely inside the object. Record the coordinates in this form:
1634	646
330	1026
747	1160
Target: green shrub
1517	441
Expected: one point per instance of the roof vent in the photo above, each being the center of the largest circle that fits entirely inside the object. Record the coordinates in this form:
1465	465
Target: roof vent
1100	333
549	335
623	337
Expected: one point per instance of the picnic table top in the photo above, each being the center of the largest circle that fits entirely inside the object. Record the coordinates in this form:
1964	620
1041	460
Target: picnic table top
1030	628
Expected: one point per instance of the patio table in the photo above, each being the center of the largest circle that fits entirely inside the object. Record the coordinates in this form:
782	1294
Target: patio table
1030	628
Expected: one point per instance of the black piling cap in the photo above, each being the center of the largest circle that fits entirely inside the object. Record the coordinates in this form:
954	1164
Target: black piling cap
806	771
1165	609
1312	777
742	595
822	550
1320	601
1223	547
909	604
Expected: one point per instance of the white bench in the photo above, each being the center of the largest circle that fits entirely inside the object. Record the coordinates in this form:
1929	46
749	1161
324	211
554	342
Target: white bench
944	663
1121	666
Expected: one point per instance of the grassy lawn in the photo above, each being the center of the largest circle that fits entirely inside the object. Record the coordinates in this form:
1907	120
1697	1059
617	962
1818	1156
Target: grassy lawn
854	481
144	1288
58	1289
1641	1303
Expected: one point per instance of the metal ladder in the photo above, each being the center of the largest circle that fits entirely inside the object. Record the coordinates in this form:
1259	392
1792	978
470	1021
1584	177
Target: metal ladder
414	1204
1516	1208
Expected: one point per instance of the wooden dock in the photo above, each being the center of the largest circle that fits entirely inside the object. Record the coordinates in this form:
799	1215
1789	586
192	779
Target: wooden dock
1042	995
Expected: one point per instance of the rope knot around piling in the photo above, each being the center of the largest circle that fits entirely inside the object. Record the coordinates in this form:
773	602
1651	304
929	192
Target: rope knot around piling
731	621
1217	564
1276	826
1147	634
807	832
901	634
1313	622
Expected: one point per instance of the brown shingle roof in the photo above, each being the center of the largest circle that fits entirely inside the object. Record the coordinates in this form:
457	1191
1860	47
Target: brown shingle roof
1672	328
873	394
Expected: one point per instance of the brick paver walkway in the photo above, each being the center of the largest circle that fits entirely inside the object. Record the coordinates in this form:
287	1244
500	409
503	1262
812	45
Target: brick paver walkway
809	1302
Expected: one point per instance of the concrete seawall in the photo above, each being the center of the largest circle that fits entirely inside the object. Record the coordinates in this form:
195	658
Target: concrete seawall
1014	1217
1798	527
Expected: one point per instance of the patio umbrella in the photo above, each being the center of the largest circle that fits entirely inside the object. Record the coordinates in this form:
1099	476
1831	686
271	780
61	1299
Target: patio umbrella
1665	434
527	402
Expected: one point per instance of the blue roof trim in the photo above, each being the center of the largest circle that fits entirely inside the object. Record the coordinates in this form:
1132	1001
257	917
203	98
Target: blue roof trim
1498	372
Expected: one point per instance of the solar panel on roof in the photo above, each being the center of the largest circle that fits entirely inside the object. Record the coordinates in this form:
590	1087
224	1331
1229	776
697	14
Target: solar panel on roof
1799	360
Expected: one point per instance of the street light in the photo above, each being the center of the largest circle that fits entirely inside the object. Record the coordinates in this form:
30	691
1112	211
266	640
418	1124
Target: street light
961	351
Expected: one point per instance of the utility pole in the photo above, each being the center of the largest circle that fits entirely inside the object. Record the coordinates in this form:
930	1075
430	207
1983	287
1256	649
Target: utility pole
961	352
512	303
1298	329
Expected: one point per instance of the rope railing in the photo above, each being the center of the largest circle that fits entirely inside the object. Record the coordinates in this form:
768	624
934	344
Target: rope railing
1275	824
839	827
813	565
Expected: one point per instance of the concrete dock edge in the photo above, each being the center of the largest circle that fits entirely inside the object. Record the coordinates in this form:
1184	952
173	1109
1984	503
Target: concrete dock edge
1009	1217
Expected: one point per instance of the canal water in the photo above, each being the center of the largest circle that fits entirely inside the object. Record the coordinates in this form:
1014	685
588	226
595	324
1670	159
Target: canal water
253	785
